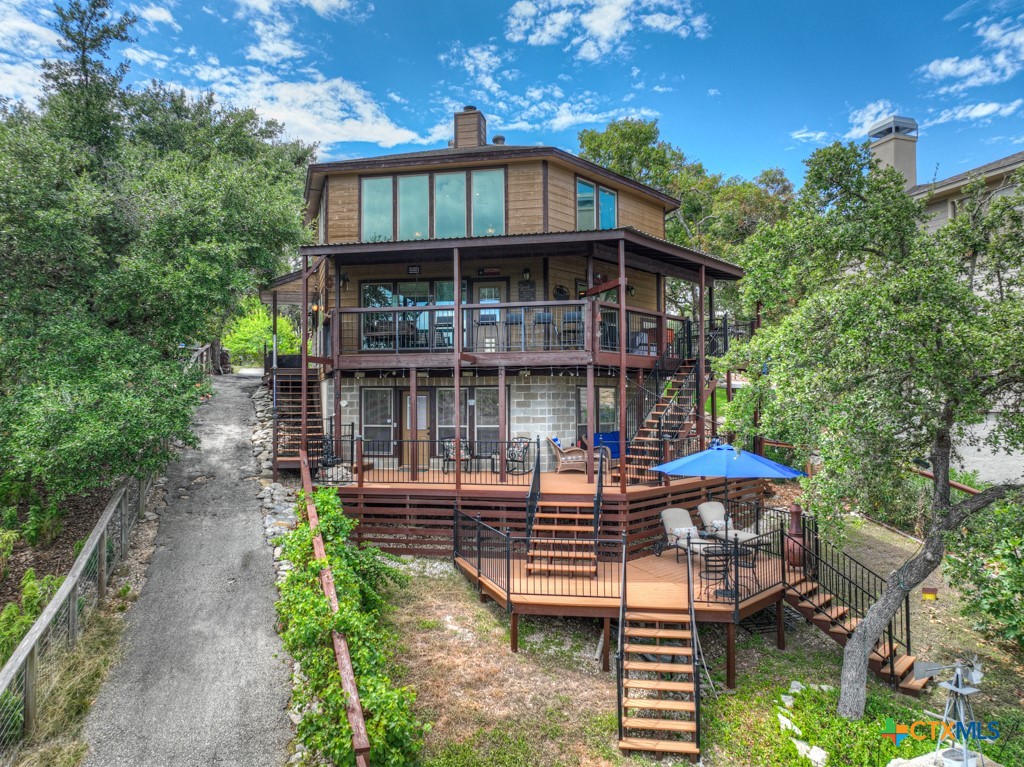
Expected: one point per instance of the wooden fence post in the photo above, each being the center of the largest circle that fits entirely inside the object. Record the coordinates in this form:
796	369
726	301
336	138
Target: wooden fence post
73	615
101	568
123	508
31	683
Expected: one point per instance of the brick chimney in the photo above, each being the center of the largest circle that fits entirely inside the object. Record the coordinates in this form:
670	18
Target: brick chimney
470	128
894	144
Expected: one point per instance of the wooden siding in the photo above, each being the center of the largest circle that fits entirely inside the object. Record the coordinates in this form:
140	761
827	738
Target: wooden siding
641	214
561	199
343	209
525	198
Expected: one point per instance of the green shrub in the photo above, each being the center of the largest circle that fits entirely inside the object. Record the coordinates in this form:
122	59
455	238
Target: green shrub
43	523
987	567
7	540
362	577
252	331
17	617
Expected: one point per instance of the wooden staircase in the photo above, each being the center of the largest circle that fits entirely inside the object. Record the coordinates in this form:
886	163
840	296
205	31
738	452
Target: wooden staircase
671	416
288	415
659	684
837	621
562	540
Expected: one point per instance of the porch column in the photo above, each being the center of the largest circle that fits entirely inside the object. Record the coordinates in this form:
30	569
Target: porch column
457	330
304	352
780	625
730	652
502	425
413	427
701	361
336	354
273	331
622	365
273	381
591	421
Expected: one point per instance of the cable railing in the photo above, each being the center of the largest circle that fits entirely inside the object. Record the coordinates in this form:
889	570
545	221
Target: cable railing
28	677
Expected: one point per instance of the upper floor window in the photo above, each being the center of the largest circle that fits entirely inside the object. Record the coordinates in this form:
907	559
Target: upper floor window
463	203
596	206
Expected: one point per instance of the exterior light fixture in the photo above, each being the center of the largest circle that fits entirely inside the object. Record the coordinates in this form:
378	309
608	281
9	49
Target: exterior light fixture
631	289
526	274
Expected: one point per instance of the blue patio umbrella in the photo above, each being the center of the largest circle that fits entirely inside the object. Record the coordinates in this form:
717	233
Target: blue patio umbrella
725	461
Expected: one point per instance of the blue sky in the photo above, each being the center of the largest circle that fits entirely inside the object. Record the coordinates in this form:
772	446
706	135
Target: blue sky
740	86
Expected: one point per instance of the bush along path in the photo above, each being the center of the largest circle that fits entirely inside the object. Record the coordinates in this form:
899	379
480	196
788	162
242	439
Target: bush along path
202	681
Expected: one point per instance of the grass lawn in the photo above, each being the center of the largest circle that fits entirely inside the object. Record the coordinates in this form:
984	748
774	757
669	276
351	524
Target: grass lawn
551	705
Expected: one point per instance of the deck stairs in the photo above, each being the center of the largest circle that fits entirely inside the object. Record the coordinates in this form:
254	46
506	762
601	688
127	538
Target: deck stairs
659	683
287	383
673	416
835	618
562	539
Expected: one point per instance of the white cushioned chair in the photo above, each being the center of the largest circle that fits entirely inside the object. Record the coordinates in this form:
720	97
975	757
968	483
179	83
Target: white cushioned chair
680	533
713	516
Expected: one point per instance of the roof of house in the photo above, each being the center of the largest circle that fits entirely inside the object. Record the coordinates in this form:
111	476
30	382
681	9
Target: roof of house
487	152
1002	166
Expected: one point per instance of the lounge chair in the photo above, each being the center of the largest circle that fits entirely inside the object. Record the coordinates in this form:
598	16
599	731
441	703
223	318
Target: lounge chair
448	454
714	519
680	533
568	458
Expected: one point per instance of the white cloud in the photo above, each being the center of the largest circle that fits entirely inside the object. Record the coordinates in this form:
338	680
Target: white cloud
156	14
600	27
569	115
396	98
144	57
274	44
662	89
24	41
862	119
712	92
325	8
1005	40
480	62
975	112
804	135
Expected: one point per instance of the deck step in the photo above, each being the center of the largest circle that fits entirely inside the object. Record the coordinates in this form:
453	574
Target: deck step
566	505
659	704
663	668
535	542
665	725
659	746
566	528
801	589
912	686
562	569
546	554
827	617
902	665
637	631
657	649
817	602
647	616
562	515
880	653
657	684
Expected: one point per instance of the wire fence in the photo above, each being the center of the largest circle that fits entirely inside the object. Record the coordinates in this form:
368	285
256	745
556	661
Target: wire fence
29	676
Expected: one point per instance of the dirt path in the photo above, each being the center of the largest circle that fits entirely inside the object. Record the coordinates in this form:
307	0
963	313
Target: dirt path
202	681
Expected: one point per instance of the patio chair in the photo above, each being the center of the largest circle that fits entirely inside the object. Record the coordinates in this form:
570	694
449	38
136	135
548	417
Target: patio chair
713	517
568	458
680	533
515	456
448	454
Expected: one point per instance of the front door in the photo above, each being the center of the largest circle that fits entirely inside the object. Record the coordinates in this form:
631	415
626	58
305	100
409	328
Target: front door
378	421
415	437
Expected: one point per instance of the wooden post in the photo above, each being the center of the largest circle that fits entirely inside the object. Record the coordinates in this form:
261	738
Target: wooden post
728	386
101	568
413	427
591	421
780	624
622	366
141	501
336	354
457	329
73	614
502	426
273	330
31	685
304	354
605	665
514	632
701	362
730	651
122	508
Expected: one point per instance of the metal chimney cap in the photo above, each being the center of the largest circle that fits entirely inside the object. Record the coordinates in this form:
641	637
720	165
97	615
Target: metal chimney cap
469	108
499	140
894	125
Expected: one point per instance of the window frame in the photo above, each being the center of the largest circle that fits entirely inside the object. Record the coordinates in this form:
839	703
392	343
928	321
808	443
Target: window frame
431	205
598	189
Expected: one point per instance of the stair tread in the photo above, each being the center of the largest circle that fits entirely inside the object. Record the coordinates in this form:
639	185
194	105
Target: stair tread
565	505
562	554
638	631
911	683
561	515
556	568
801	589
659	704
817	601
902	665
559	542
652	723
668	668
653	616
660	746
567	528
654	649
657	684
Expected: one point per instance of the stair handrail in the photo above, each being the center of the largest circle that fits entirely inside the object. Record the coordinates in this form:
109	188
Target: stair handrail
621	648
688	383
645	393
694	640
598	493
533	497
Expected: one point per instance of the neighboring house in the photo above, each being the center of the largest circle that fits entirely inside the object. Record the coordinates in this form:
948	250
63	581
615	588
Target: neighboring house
894	143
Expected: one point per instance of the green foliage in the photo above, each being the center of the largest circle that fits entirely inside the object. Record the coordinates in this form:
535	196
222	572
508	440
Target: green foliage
490	748
252	331
43	524
7	540
130	222
988	567
17	617
12	714
362	577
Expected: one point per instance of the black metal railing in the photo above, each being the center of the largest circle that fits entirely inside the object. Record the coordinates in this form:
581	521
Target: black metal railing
620	654
735	571
697	656
533	497
526	327
598	493
346	459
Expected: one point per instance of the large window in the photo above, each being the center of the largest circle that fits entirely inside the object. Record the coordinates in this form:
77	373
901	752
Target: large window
446	414
488	202
607	409
450	205
463	202
377	203
596	206
413	207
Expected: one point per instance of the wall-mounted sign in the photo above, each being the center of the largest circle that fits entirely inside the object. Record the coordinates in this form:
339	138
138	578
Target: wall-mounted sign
412	269
489	271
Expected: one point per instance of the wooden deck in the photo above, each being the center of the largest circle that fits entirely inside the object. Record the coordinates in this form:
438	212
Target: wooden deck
652	583
568	483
